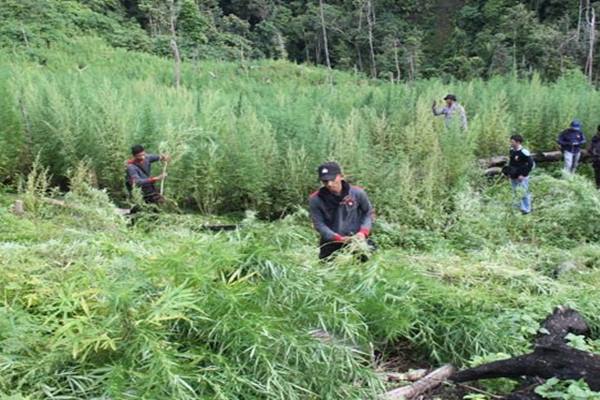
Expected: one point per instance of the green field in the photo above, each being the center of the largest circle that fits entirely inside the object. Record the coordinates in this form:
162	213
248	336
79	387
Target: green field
93	308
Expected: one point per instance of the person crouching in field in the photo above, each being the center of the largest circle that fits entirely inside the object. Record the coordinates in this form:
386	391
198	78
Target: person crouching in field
519	166
139	174
570	141
339	211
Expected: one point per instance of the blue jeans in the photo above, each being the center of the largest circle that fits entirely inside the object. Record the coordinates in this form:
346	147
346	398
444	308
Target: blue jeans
522	186
571	161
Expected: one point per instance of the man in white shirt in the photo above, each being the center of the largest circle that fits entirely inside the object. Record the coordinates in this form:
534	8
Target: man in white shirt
452	109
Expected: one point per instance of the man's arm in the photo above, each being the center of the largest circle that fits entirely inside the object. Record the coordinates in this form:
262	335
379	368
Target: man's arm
439	111
154	158
365	205
318	220
562	140
529	166
135	178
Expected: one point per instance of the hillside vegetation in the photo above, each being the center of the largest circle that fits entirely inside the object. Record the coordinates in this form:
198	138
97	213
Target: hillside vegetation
93	307
249	136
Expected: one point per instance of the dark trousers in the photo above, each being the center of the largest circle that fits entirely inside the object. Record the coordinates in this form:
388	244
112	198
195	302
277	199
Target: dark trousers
151	196
596	166
327	249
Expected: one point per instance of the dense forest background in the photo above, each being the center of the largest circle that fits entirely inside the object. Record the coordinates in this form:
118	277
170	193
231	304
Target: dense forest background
388	39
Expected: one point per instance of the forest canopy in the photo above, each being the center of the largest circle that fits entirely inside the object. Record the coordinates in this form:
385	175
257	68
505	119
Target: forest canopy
388	39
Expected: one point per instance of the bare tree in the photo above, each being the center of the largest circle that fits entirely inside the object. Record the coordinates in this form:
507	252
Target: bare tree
173	13
591	25
324	31
356	41
579	17
397	60
370	23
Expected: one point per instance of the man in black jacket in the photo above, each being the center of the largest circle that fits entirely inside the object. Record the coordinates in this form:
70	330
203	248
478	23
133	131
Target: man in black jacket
570	141
339	211
594	152
519	167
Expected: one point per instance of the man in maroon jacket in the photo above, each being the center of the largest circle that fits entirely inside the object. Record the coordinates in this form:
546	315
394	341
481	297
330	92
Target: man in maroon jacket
139	174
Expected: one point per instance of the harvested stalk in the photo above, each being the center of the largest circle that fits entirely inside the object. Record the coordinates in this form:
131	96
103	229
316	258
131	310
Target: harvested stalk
62	203
162	182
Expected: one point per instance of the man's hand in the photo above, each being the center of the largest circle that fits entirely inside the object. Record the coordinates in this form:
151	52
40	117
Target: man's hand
165	157
520	178
360	236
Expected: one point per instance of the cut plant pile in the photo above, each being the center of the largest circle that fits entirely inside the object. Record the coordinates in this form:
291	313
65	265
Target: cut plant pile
93	308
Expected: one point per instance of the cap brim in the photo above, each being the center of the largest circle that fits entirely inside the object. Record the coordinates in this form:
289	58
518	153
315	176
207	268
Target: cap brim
327	177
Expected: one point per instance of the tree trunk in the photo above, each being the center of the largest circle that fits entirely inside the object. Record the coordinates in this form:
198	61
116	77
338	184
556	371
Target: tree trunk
589	65
356	44
411	67
370	19
174	47
592	45
324	32
397	60
551	358
281	44
317	50
579	18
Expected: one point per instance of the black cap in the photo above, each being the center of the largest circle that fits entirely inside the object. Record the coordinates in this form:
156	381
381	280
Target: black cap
136	149
328	171
450	97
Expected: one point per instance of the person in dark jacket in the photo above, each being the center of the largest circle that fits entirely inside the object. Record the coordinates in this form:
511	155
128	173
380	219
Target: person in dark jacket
519	166
138	174
594	152
339	211
570	141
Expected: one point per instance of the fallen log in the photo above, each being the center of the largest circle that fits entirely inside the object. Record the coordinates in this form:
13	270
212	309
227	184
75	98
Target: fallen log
493	166
539	157
409	376
552	357
220	227
423	385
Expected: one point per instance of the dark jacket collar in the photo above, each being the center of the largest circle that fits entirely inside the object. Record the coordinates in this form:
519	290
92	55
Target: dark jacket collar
333	200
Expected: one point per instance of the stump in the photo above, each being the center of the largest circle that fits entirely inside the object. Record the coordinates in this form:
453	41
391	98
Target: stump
552	357
18	208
